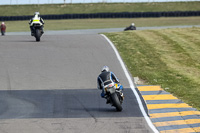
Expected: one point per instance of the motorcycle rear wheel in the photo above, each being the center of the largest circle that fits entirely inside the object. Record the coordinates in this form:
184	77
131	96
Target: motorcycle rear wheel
116	102
37	35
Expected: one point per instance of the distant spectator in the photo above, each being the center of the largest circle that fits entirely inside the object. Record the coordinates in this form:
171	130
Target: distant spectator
3	28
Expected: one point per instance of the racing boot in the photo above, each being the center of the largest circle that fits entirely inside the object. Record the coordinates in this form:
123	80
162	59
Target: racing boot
42	28
122	95
108	100
32	31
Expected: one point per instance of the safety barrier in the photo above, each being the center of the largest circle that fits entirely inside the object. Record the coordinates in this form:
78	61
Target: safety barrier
108	15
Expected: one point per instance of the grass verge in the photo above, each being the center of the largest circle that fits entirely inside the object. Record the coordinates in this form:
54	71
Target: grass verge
68	24
168	57
18	10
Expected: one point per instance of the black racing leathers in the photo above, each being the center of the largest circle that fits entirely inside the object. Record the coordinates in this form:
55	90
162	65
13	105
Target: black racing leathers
106	78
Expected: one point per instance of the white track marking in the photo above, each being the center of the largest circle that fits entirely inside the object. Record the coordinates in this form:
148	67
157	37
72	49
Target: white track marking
132	86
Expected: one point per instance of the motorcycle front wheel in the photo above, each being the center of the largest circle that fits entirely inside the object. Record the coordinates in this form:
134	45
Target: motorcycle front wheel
116	102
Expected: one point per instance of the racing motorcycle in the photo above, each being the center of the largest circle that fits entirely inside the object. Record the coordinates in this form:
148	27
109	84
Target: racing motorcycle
114	95
37	31
130	28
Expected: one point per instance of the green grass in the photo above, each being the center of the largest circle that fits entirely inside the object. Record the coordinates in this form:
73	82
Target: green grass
18	10
103	23
168	57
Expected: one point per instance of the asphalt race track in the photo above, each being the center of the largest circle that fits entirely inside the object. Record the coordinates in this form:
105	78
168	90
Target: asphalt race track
50	87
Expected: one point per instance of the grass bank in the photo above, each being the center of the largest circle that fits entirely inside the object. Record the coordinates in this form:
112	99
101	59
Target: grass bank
103	23
18	10
168	57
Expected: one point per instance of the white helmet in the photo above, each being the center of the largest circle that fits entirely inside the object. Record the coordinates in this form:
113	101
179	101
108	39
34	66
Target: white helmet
2	23
37	14
133	24
105	68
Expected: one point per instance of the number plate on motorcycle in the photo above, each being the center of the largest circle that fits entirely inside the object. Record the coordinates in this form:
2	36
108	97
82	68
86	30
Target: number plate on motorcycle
110	85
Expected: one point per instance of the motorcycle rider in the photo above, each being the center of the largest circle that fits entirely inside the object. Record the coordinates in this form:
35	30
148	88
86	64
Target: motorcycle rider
106	77
131	27
3	28
36	19
132	24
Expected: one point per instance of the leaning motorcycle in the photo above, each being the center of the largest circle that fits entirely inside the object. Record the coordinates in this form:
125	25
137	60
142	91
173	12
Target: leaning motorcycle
114	95
130	28
37	31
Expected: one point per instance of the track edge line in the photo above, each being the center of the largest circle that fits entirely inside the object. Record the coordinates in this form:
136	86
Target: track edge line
132	86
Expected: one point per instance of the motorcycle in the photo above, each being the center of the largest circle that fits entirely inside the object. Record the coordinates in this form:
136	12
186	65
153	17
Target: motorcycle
130	28
37	31
114	95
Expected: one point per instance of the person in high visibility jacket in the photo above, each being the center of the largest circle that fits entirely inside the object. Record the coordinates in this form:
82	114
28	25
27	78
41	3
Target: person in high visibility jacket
36	19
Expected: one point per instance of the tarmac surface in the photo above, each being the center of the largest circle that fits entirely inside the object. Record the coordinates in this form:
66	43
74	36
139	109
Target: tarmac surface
50	87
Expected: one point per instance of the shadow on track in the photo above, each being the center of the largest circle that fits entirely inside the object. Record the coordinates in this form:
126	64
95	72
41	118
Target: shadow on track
76	103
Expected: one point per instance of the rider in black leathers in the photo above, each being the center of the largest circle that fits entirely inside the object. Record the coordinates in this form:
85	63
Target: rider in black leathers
131	27
106	77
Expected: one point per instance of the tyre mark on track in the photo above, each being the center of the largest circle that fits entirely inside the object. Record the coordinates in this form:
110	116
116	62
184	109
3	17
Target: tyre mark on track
95	119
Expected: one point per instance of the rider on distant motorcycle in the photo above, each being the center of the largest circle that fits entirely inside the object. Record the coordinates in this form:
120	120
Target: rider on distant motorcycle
36	19
106	77
131	27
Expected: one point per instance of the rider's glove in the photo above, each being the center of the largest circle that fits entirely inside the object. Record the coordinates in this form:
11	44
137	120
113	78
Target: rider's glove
121	87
